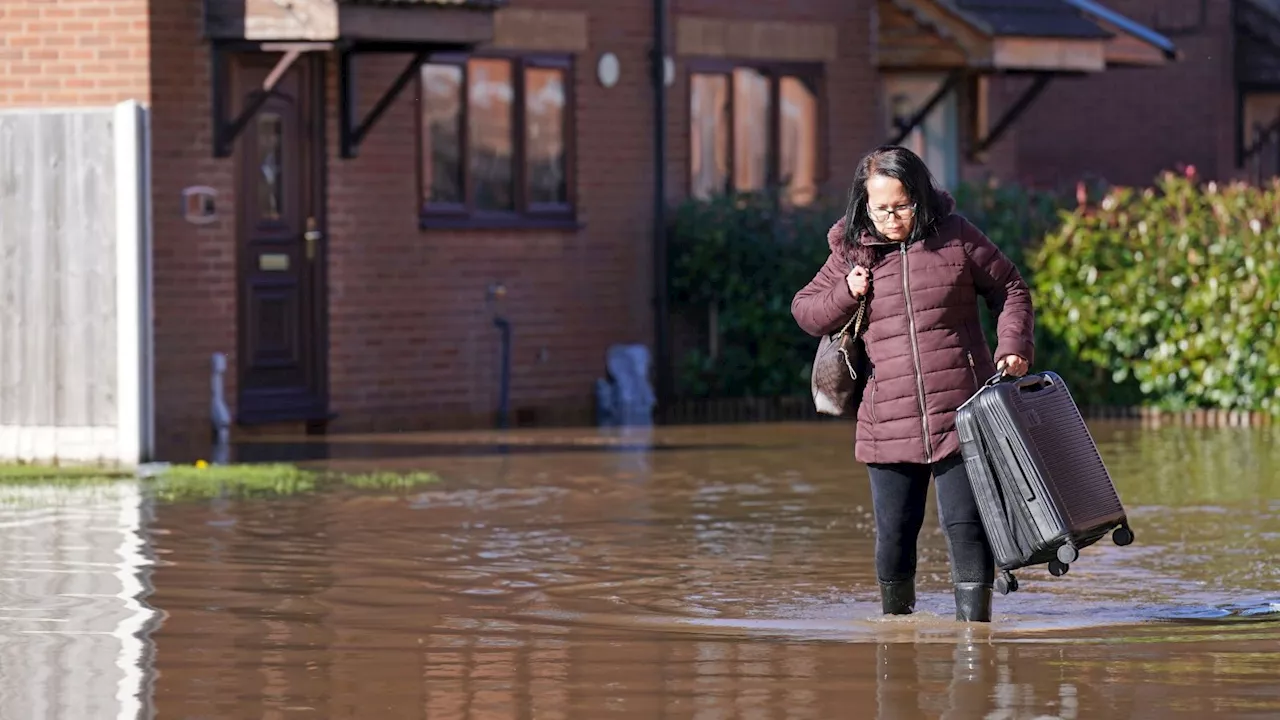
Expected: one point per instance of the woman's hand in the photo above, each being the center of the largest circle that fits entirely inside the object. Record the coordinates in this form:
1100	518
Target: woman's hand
858	281
1014	365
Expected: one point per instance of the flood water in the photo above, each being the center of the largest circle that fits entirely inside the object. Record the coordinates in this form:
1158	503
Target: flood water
701	573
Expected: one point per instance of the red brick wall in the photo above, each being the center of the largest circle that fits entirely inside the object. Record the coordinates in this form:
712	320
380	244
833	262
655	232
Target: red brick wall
1127	125
411	334
193	265
72	52
412	338
852	83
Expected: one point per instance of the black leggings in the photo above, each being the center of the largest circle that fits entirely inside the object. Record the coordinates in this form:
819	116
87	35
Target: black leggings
898	494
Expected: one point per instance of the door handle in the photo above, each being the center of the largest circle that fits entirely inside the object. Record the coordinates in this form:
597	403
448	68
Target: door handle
312	236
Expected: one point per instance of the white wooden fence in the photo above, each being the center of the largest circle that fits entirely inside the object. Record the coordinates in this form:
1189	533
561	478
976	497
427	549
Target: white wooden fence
75	320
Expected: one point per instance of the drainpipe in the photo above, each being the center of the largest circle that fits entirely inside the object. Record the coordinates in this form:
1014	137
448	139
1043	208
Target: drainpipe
495	293
504	387
662	352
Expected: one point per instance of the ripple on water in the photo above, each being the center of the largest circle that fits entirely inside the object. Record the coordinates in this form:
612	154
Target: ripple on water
719	582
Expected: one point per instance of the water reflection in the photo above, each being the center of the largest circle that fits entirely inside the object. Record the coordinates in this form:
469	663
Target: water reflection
73	626
1177	466
729	575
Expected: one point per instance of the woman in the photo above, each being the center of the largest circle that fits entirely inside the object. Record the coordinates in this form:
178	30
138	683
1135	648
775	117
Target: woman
921	268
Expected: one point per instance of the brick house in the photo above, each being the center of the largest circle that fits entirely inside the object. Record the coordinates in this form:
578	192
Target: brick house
347	193
1217	108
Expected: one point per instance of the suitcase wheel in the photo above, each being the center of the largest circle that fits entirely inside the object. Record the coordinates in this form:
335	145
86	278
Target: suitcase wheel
1006	584
1122	536
1057	568
1067	554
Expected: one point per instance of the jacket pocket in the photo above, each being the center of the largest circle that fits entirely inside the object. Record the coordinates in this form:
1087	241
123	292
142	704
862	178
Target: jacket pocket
973	370
872	379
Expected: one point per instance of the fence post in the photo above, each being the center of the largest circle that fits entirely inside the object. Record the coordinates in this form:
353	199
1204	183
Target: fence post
135	435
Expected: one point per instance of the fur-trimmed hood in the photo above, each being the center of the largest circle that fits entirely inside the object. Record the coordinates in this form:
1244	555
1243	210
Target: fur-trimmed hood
864	251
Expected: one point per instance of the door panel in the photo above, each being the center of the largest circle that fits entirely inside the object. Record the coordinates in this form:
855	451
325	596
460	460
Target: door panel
282	319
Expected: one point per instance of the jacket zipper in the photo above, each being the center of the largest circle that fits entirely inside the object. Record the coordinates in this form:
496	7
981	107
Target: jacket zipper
973	371
915	358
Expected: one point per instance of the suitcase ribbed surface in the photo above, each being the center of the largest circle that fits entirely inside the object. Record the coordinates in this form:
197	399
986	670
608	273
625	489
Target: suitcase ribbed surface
1070	456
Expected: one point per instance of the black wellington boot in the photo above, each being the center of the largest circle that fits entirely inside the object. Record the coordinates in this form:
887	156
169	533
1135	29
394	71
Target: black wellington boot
973	602
898	597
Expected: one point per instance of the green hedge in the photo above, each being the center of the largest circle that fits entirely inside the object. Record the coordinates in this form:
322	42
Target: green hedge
1175	288
1017	219
1165	296
746	256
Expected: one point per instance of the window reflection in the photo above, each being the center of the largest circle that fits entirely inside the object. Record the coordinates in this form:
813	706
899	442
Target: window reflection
442	134
754	129
490	97
798	141
495	137
709	135
750	129
544	101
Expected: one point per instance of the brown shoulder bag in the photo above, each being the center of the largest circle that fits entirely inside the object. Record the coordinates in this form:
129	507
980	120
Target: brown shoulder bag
840	368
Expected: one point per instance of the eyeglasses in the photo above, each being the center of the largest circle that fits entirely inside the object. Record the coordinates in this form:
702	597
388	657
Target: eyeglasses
882	214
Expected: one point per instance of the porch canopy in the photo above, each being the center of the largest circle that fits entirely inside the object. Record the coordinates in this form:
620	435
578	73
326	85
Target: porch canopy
351	27
971	40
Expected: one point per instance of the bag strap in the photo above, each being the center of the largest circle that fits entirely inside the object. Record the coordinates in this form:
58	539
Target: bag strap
856	320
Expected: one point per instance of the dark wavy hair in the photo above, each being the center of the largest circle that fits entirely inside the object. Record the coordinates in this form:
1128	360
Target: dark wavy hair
907	168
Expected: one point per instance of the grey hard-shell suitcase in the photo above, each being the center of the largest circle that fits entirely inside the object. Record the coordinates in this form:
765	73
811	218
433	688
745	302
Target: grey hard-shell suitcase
1041	487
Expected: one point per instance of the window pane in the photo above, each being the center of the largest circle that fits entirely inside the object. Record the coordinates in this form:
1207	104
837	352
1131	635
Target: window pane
798	154
270	166
544	135
490	95
442	134
750	129
709	135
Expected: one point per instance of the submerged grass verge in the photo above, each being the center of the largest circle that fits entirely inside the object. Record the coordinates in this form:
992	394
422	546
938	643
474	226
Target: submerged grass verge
203	481
21	472
192	482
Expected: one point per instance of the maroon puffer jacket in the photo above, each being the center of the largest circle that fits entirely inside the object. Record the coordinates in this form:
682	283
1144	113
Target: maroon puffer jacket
923	334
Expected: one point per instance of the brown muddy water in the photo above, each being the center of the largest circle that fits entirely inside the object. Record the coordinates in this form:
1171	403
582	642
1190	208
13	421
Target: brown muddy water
697	573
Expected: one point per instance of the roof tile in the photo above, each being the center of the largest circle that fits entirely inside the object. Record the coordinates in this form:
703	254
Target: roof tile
1031	18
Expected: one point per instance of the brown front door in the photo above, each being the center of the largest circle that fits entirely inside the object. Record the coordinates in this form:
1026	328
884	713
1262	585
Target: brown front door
280	200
